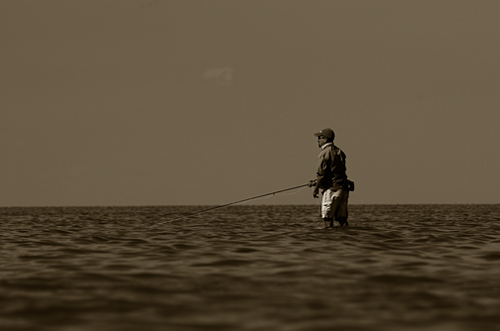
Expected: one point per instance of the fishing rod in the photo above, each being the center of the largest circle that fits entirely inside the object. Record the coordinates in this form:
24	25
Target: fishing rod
243	200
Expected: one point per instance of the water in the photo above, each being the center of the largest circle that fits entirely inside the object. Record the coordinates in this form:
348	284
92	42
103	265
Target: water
396	267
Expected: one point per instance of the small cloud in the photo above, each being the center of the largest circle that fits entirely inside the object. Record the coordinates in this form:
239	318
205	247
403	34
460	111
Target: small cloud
220	76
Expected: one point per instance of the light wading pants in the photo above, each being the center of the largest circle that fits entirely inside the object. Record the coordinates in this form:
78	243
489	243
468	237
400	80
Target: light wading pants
334	206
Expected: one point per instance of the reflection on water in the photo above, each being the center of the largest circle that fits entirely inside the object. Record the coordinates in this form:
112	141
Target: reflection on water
396	267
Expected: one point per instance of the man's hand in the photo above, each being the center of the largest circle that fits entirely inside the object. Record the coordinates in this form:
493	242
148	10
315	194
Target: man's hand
314	182
315	193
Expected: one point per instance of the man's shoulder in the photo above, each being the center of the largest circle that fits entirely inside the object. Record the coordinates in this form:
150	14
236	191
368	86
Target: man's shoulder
324	152
337	150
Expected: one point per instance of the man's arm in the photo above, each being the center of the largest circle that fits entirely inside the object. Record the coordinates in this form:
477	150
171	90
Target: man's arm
323	168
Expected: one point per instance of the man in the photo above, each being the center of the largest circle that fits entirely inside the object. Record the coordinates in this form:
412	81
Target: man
331	177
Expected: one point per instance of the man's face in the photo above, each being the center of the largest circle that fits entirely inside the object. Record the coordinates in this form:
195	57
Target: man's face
321	141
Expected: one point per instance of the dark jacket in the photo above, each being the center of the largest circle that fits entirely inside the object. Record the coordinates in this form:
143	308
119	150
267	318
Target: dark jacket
331	168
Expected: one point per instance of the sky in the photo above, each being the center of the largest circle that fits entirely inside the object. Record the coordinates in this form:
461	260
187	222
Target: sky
174	102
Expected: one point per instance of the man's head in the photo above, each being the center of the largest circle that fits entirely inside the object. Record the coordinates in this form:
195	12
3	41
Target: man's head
325	136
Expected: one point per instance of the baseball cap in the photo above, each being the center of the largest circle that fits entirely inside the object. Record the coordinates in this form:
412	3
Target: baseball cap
327	133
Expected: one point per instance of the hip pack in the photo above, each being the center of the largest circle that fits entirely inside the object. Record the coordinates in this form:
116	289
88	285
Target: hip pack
350	185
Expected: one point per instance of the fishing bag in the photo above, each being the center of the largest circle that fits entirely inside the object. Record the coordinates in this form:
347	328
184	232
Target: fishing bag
350	185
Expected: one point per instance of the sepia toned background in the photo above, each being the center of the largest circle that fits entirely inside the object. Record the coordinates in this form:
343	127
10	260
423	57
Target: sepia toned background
164	102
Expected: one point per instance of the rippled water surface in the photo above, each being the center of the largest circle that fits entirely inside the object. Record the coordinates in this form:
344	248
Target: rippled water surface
396	267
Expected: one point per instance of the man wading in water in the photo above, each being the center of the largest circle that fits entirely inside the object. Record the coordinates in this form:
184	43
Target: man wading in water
332	179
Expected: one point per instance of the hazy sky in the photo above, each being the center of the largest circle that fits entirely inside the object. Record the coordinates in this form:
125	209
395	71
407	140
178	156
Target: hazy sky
161	102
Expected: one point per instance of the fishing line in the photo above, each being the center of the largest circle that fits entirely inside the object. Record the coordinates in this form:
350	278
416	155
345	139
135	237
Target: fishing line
318	217
240	201
292	193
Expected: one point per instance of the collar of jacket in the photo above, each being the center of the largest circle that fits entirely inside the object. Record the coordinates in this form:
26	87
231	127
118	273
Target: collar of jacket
326	145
